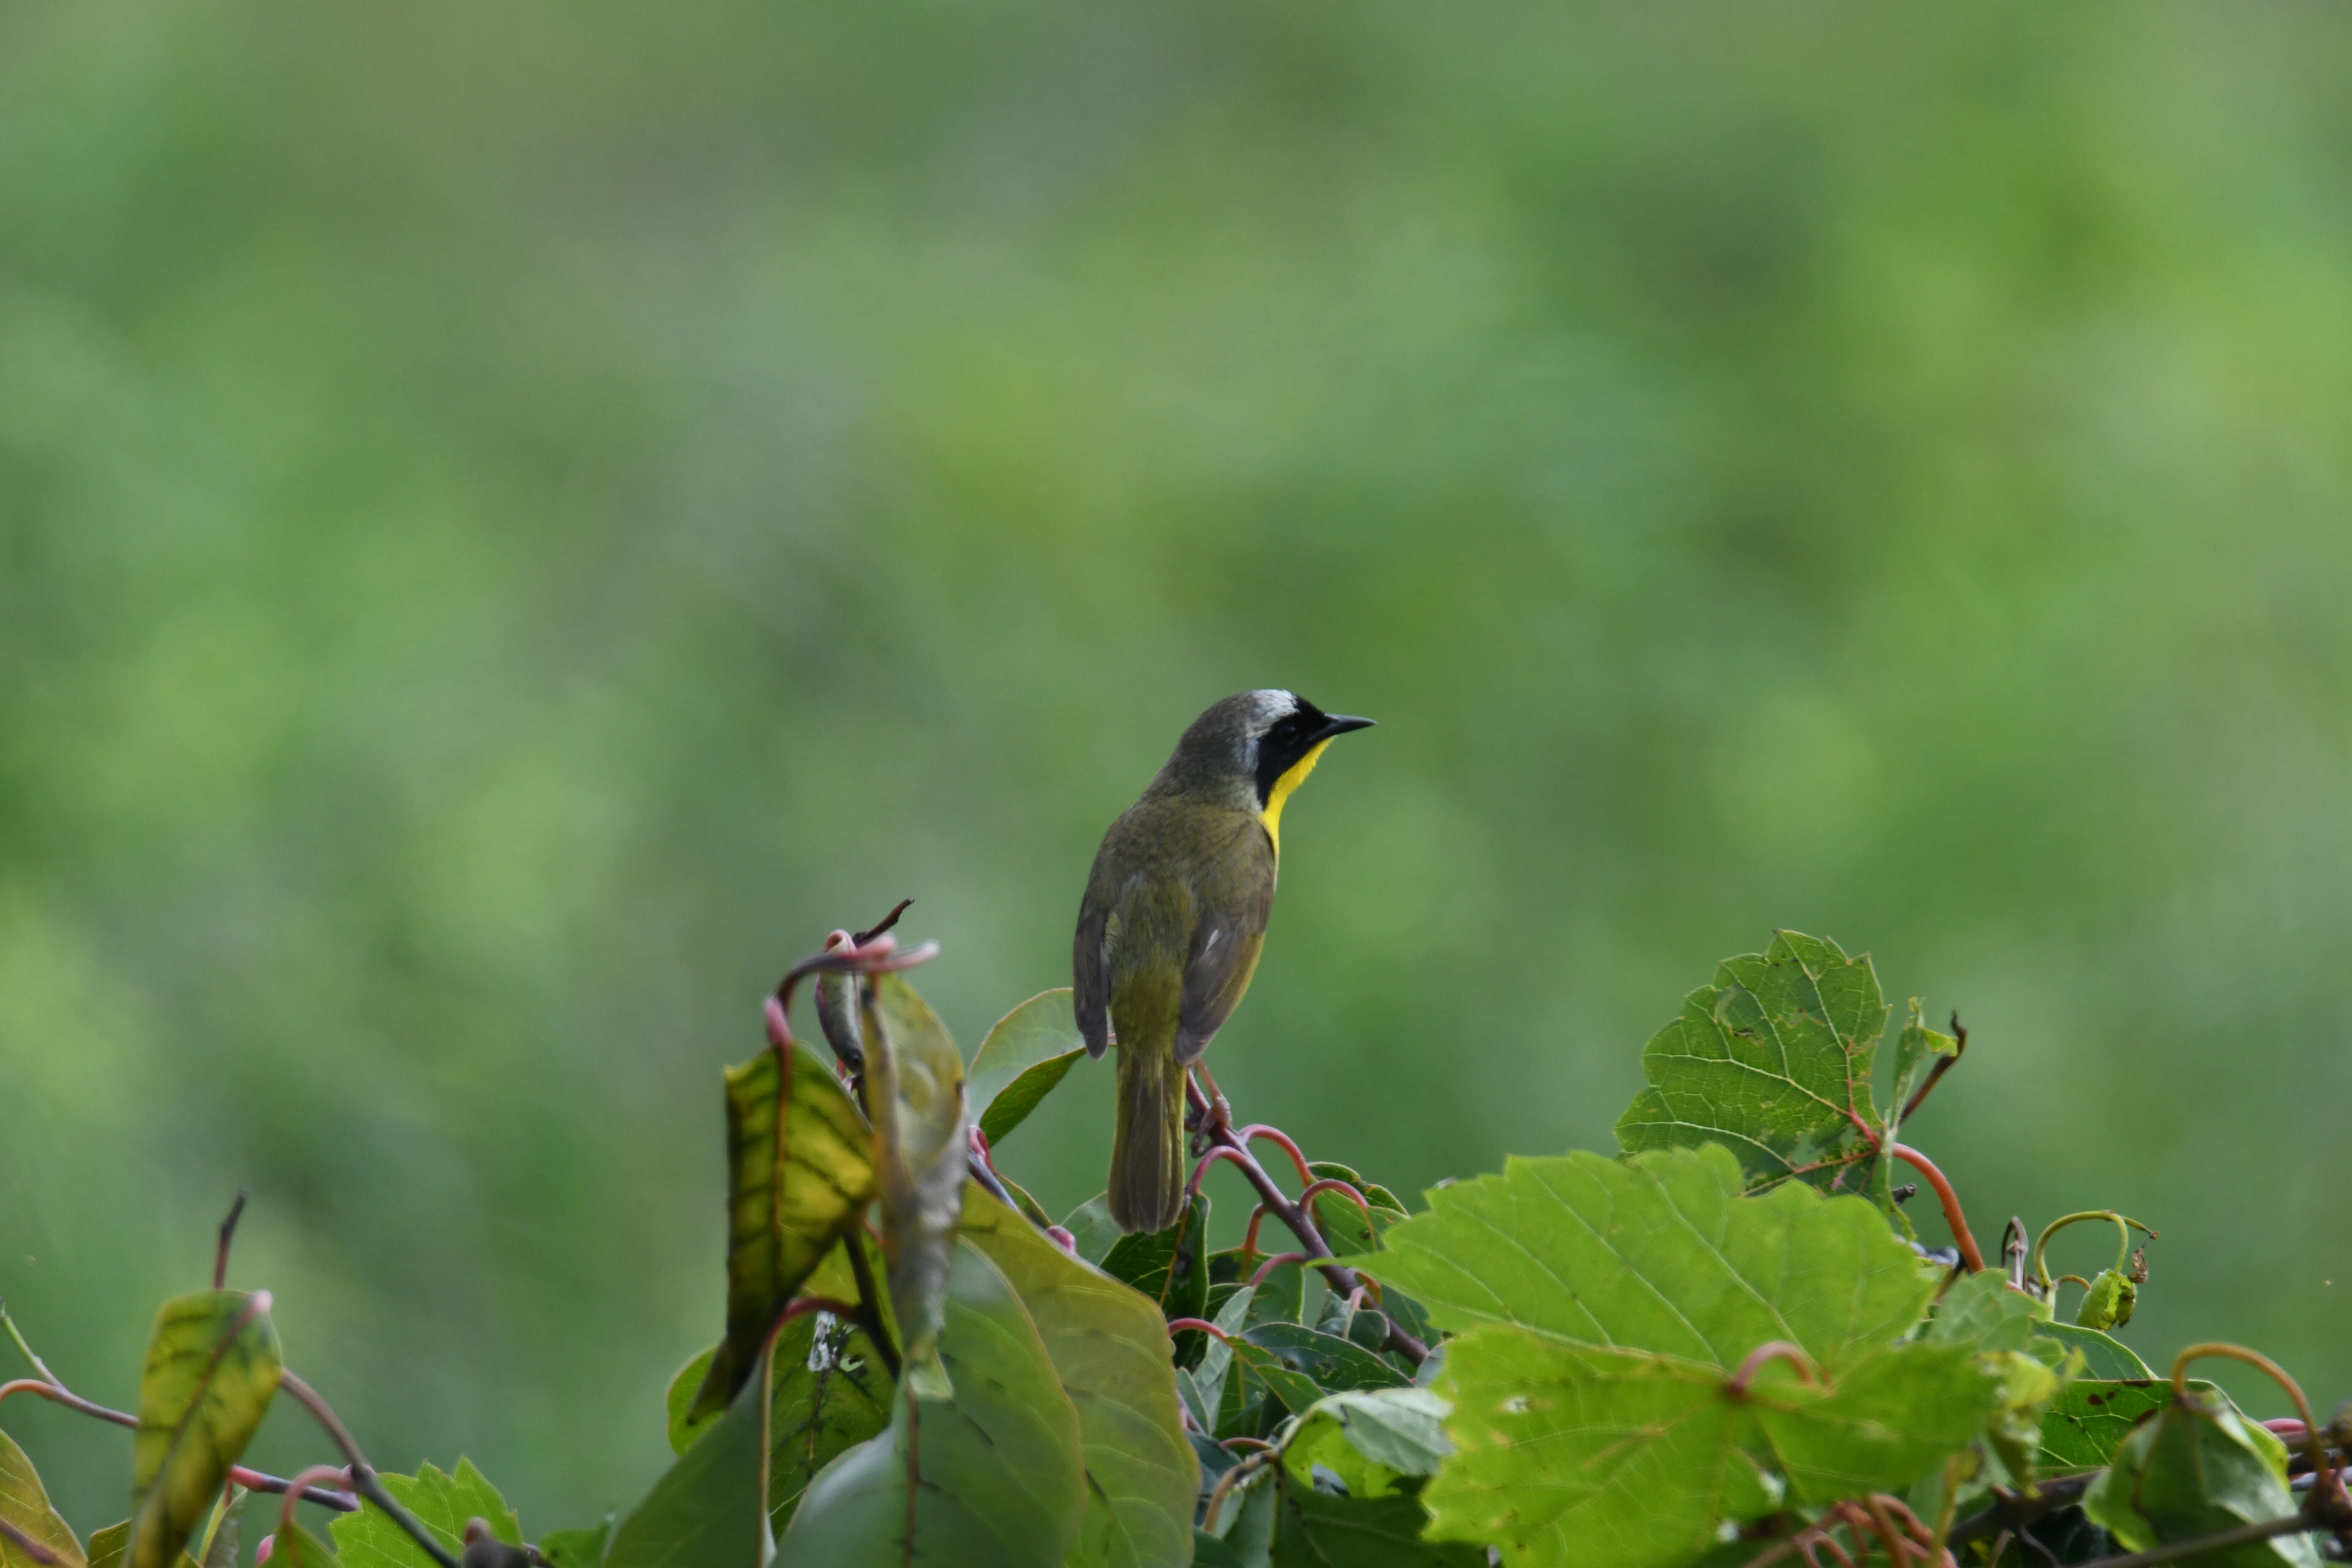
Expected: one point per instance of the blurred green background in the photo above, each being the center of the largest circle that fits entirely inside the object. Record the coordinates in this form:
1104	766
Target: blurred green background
514	520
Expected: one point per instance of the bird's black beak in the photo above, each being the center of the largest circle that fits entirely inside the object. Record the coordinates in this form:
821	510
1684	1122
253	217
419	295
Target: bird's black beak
1340	724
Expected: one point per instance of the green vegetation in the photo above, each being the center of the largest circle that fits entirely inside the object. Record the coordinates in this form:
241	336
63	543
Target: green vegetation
1702	1354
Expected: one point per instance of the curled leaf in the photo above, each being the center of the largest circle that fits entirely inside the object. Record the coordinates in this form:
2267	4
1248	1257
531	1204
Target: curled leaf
914	1095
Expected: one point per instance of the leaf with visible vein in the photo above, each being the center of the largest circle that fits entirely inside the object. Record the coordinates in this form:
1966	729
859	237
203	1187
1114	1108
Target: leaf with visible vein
2197	1468
1027	1054
1774	1060
212	1365
801	1168
25	1503
1109	1348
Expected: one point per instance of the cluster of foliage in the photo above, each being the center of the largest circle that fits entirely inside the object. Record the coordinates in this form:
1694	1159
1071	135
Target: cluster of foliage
1725	1346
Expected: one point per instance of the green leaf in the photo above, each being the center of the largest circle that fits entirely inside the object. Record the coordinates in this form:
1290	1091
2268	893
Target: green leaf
1371	1441
2197	1468
1028	1052
221	1534
914	1093
1171	1265
1208	1379
1297	1392
441	1502
1343	1224
212	1365
1335	1364
2090	1418
2108	1303
1774	1061
2103	1356
1606	1305
25	1503
800	1167
1917	1051
685	1426
829	1396
1092	1229
1109	1348
1659	1253
298	1548
710	1509
1981	1310
987	1477
1311	1529
576	1548
110	1547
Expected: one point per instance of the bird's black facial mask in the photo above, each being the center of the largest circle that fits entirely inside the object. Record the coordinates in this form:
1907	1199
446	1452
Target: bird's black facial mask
1289	740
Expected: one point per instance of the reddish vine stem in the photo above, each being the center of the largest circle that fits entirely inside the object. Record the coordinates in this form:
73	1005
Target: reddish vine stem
1333	1184
1340	1276
2313	1448
1953	1215
1275	1262
1199	1326
1757	1359
251	1480
1256	1130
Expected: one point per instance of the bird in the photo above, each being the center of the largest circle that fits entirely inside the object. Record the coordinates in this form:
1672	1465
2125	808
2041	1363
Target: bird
1173	917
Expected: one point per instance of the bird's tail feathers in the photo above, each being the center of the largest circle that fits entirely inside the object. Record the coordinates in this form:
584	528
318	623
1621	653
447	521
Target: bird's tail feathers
1147	1159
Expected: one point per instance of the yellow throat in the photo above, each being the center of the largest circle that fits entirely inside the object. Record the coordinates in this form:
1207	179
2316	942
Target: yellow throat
1272	814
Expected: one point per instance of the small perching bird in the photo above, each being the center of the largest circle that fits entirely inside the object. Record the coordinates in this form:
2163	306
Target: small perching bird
1173	917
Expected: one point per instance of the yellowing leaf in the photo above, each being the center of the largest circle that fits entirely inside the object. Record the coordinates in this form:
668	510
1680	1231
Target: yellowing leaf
212	1365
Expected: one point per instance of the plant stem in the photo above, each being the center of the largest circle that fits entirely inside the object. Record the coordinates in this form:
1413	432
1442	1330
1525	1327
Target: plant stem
1338	1277
252	1480
227	1233
362	1473
1953	1215
869	1300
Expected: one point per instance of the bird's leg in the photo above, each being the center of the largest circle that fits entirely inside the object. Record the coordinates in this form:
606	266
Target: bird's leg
1210	1117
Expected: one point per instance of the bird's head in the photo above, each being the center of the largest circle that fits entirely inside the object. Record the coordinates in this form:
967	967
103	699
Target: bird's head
1252	750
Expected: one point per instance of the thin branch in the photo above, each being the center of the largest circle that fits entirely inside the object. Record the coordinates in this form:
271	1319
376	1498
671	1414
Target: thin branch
363	1474
2244	1536
251	1480
227	1233
1935	1074
870	1304
1340	1278
1953	1216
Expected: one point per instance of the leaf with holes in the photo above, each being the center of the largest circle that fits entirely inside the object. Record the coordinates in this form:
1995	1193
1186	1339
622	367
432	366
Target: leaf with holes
1028	1053
1773	1060
1602	1308
801	1168
212	1365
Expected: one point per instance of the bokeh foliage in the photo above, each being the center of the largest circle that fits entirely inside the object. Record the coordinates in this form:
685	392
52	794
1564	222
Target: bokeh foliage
513	521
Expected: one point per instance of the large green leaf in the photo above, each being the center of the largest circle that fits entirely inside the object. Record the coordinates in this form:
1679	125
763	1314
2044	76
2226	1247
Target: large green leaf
1029	1051
2090	1418
1774	1061
1659	1253
1313	1530
1171	1265
914	1094
212	1365
1109	1348
801	1168
989	1476
2197	1468
1606	1307
710	1509
1373	1440
830	1394
25	1503
440	1501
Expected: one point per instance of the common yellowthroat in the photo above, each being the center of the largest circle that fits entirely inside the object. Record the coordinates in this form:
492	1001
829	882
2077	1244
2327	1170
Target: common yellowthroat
1173	917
